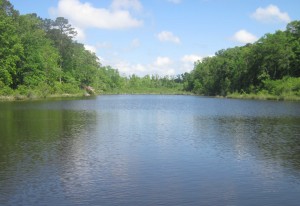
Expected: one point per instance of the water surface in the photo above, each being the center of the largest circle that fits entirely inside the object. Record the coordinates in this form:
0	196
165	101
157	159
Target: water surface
150	150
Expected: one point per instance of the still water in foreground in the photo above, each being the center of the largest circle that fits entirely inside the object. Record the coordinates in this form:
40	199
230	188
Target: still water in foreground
150	150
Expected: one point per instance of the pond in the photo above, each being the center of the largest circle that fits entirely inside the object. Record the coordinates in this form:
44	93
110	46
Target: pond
150	150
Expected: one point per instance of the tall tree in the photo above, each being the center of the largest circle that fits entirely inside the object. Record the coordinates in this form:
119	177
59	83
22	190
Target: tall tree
62	33
7	9
84	65
11	48
40	60
293	31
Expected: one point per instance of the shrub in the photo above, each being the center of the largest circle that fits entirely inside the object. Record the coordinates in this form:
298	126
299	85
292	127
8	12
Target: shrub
287	85
6	91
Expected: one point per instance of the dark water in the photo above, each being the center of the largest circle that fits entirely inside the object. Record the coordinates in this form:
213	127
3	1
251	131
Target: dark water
150	150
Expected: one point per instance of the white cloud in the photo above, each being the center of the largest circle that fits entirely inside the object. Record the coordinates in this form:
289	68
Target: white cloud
271	14
129	69
187	62
90	48
161	65
167	36
191	58
126	4
244	37
175	1
80	34
162	61
101	59
84	15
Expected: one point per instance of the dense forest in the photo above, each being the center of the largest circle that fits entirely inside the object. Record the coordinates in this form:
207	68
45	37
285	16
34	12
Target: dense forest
40	57
268	68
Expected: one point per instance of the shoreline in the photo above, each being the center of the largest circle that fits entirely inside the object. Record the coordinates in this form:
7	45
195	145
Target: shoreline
19	98
267	97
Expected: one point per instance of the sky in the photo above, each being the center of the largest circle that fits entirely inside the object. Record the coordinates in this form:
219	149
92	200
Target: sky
164	37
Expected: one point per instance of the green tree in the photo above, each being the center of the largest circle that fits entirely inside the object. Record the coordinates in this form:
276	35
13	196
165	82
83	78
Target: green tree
11	48
84	65
293	32
276	54
62	34
40	60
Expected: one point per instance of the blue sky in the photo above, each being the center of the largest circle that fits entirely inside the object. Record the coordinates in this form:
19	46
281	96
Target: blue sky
164	37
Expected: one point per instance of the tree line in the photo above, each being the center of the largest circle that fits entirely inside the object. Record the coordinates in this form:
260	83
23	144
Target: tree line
271	65
41	56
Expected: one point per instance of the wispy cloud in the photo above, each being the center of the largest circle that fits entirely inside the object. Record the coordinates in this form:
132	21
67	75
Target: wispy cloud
167	36
271	14
103	45
126	4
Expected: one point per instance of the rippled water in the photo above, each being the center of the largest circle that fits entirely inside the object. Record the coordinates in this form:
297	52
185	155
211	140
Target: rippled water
150	150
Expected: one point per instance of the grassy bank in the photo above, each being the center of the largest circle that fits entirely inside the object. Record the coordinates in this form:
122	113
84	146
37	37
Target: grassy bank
282	90
35	97
167	91
287	89
263	96
24	94
43	91
259	96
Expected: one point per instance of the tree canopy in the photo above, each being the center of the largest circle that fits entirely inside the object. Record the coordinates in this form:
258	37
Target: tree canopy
250	68
42	56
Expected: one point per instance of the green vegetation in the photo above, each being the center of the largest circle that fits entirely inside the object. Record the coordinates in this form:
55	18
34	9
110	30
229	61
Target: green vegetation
149	85
267	69
287	88
39	58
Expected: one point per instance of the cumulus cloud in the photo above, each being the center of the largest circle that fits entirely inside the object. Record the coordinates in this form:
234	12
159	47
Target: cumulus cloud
90	48
80	34
129	69
167	36
85	15
162	61
244	37
161	65
191	58
271	14
187	62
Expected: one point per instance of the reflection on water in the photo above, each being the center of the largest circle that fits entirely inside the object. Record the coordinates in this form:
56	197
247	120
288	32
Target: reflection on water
150	150
270	139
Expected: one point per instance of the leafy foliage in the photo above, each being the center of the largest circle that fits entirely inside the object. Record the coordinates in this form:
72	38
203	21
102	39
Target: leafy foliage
267	65
40	57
